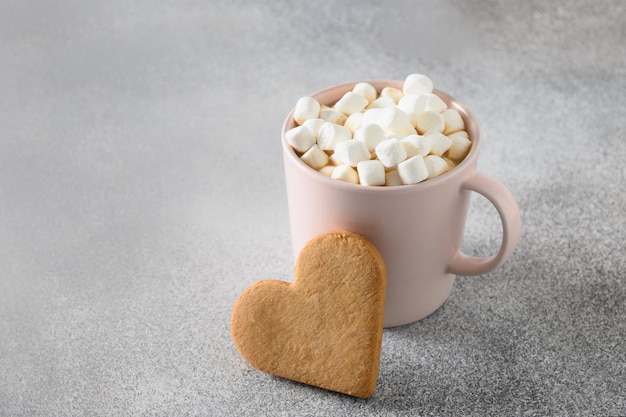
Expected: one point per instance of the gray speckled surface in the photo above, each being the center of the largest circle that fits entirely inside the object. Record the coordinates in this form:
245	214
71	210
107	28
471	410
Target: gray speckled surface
141	192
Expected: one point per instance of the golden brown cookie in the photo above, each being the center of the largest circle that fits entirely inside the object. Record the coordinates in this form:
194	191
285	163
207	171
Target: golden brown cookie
326	328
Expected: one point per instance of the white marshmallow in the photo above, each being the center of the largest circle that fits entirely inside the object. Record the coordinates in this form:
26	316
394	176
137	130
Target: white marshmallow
315	157
417	84
371	172
367	90
396	122
351	152
314	125
330	134
332	115
327	170
332	160
370	135
439	143
345	173
399	136
381	103
416	145
413	170
300	138
371	116
354	122
394	93
450	162
413	104
435	165
350	103
306	108
459	147
429	121
390	152
453	121
461	133
393	178
434	102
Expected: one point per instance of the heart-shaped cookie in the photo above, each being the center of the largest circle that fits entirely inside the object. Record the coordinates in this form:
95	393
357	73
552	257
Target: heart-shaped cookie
326	328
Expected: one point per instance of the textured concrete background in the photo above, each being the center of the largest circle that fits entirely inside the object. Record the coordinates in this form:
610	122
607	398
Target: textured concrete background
141	192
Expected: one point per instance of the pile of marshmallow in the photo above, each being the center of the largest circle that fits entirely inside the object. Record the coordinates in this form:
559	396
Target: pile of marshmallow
397	137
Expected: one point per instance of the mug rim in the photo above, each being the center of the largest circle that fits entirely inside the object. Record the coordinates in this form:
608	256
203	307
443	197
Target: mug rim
471	126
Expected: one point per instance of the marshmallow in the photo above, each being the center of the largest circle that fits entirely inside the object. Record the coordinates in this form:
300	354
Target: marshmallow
332	160
393	178
371	172
306	108
395	122
394	93
351	152
370	135
435	165
345	173
381	103
330	134
371	116
416	145
350	103
450	162
417	84
413	104
327	170
459	147
300	138
314	125
461	133
453	121
332	115
413	170
390	152
367	90
354	121
439	143
391	138
429	121
315	157
434	102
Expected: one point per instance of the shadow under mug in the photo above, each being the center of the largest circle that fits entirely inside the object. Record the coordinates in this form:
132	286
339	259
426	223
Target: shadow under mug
417	228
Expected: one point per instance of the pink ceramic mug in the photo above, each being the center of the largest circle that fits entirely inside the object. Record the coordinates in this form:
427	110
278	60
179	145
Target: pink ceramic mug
417	228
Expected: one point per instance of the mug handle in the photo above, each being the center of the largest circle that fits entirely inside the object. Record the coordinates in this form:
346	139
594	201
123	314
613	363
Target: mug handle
503	201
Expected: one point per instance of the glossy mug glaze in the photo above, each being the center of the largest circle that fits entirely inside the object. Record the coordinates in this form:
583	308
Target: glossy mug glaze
417	228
